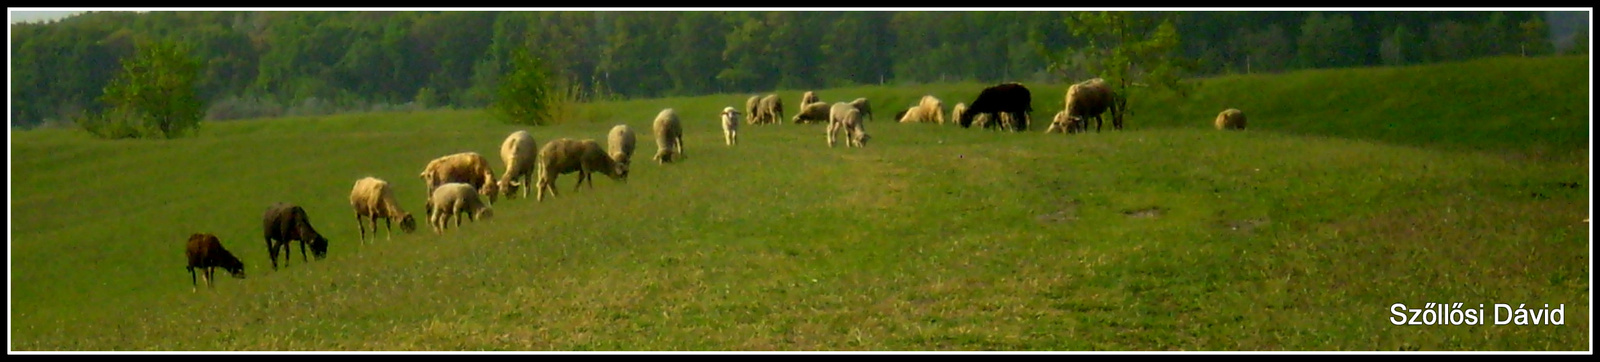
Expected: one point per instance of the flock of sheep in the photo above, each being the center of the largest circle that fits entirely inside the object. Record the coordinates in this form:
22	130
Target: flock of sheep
463	186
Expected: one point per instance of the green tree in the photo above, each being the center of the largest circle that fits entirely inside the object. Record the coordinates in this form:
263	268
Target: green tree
526	95
1130	48
1533	36
1326	41
156	89
1396	47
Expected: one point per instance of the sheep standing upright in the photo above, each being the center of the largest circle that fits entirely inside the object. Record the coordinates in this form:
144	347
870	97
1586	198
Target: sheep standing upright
620	144
518	151
771	109
809	97
284	222
453	199
1230	118
1007	104
669	136
845	117
466	167
1089	99
373	199
730	126
565	155
864	106
752	108
205	252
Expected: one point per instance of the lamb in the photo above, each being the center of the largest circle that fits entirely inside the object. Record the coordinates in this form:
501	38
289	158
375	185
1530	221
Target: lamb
957	111
809	97
285	222
518	152
565	155
453	199
620	144
771	109
927	110
1062	123
466	167
1091	98
206	253
730	126
865	107
373	199
669	136
751	109
1230	118
844	116
812	113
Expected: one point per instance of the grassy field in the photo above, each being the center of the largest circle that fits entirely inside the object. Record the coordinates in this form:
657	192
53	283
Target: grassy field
1353	190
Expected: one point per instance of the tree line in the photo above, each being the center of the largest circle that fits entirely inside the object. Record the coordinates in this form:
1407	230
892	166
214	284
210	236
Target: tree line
274	63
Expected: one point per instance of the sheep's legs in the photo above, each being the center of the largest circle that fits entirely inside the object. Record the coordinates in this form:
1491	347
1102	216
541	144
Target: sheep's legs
193	284
272	252
388	229
362	224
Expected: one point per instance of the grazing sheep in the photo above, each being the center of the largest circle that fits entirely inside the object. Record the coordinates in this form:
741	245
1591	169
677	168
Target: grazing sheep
373	199
812	113
771	109
844	116
937	107
809	97
957	111
466	167
730	126
752	109
285	222
518	152
1007	103
1062	123
1230	118
453	199
620	144
565	155
206	252
669	136
864	106
1089	99
901	114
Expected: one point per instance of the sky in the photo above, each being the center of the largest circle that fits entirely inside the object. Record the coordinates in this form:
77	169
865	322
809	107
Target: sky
19	16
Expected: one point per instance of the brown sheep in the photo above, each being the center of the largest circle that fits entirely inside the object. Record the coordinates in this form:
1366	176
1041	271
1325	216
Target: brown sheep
206	253
1230	118
1090	99
466	167
285	222
373	199
518	151
565	155
669	136
812	113
453	199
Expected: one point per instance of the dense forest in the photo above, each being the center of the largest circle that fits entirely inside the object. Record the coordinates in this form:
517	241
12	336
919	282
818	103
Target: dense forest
282	63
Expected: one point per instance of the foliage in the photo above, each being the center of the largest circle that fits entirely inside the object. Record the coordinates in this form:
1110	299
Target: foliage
154	92
1128	48
528	92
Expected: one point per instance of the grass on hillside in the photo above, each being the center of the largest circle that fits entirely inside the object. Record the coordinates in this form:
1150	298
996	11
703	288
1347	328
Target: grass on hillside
1167	236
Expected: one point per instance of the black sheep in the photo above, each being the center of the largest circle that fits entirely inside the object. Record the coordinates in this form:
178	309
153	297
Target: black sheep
1012	98
206	253
286	222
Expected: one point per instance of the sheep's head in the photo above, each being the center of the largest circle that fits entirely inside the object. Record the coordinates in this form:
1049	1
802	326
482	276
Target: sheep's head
619	171
485	213
509	188
319	247
490	191
408	224
235	268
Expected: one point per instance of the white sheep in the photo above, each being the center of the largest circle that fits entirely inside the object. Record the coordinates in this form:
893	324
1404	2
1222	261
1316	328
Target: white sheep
812	113
519	152
730	126
1063	123
467	167
927	110
957	111
619	145
809	97
771	109
864	106
1230	118
373	199
450	200
669	136
845	117
752	109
